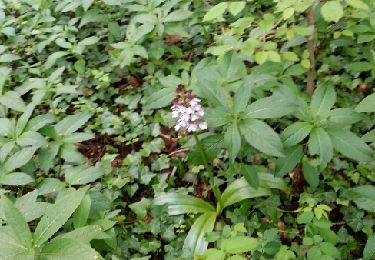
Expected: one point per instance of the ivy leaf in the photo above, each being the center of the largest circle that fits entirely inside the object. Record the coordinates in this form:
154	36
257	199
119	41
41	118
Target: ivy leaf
195	241
52	222
332	11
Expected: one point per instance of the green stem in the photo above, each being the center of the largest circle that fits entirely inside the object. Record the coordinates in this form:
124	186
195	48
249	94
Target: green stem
215	188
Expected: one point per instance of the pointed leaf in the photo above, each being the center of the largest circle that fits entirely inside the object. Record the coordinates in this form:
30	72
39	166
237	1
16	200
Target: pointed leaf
19	159
363	196
16	178
181	204
320	143
261	136
369	251
71	123
51	222
343	117
350	145
295	133
269	107
367	104
83	234
232	140
293	155
323	99
10	248
195	241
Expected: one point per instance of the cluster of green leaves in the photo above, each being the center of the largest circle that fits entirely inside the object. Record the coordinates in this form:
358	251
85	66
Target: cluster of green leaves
293	174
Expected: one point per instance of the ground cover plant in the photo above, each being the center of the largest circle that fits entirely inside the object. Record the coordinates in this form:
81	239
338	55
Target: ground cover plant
187	129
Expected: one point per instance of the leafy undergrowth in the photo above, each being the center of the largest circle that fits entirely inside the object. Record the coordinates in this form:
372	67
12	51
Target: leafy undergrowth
271	156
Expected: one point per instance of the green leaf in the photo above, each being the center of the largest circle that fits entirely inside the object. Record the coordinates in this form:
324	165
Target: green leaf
214	254
86	4
216	117
358	4
367	104
31	139
241	98
13	100
67	249
350	145
5	126
17	223
369	251
52	222
261	136
250	173
82	213
311	174
332	11
320	143
30	208
295	133
140	208
236	7
195	241
8	57
72	123
343	117
16	178
79	175
216	12
181	204
369	136
293	155
269	107
232	140
177	16
83	234
240	190
238	245
363	196
19	159
11	249
323	99
160	98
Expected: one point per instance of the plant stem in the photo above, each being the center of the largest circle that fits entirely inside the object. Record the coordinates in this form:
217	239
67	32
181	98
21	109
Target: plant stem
215	188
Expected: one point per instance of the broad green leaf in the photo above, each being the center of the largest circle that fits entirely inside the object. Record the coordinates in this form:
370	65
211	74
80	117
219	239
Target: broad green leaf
195	241
38	122
369	251
332	11
52	222
369	136
240	190
269	107
17	222
78	137
160	98
216	12
19	159
16	178
238	245
261	136
320	143
215	94
31	139
323	99
82	213
236	7
216	117
177	16
231	67
293	155
79	175
67	249
343	117
13	100
30	208
214	254
5	126
50	185
11	249
358	4
250	173
86	4
270	181
363	196
9	57
181	204
71	123
4	74
367	104
51	60
47	155
83	234
241	98
295	133
350	145
311	174
232	140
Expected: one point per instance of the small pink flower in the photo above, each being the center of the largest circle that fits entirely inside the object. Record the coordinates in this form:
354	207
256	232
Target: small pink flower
188	111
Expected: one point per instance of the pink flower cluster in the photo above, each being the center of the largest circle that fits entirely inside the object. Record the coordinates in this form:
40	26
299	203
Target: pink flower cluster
188	111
